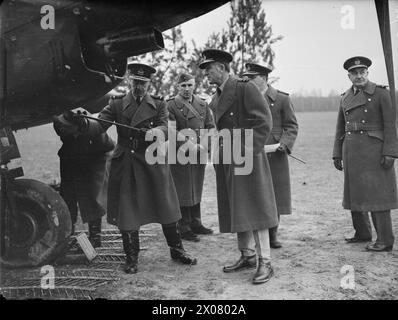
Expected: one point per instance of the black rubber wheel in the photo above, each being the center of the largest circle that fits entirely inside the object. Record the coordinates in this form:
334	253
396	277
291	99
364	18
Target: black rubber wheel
41	231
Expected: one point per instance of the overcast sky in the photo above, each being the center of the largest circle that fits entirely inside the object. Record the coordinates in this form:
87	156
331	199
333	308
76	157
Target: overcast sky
318	37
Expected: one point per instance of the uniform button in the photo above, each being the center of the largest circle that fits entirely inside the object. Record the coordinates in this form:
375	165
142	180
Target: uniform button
363	121
361	132
348	132
231	113
369	99
132	151
272	104
346	112
131	138
348	122
366	110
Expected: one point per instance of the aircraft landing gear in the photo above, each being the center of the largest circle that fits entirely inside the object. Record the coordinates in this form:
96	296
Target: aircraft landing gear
35	223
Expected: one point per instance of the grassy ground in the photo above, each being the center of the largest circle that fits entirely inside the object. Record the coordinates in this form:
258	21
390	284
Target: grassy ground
307	267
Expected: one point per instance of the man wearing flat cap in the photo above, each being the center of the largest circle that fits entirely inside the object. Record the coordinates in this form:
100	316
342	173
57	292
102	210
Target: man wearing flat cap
139	193
189	111
365	148
246	203
284	131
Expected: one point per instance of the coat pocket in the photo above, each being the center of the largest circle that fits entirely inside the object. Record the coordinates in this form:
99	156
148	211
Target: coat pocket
376	134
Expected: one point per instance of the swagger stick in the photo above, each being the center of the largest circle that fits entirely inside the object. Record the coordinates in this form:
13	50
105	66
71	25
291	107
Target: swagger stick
112	122
298	159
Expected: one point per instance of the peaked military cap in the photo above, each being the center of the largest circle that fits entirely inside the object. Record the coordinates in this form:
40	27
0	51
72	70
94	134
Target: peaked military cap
254	69
183	77
357	62
140	71
212	55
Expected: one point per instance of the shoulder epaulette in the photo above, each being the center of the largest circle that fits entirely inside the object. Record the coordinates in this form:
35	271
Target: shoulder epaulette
381	86
243	79
119	96
155	96
342	94
283	92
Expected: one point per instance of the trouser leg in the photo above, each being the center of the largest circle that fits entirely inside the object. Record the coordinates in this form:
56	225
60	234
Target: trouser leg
273	236
94	232
383	226
246	243
263	249
361	224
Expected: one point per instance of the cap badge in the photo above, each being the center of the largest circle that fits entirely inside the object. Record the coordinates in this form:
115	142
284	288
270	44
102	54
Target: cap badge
357	62
140	72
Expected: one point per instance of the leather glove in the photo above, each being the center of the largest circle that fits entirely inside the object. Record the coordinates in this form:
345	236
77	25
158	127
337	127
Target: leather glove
282	148
387	162
76	119
338	164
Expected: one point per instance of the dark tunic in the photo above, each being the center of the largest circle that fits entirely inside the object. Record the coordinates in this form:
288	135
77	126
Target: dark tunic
284	130
365	132
188	178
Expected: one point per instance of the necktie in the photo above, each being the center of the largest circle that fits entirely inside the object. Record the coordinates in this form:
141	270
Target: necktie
138	100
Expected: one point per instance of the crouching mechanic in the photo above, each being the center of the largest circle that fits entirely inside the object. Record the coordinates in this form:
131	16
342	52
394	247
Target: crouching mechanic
138	192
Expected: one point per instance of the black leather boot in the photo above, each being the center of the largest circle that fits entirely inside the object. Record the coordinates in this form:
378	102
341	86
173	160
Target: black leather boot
94	232
173	239
244	263
264	271
131	246
273	238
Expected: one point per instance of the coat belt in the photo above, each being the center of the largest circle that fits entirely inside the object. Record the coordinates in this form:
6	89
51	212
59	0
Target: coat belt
359	126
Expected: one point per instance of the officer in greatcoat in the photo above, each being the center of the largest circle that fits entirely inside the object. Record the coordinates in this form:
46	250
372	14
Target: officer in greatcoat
246	203
365	148
284	131
189	111
139	192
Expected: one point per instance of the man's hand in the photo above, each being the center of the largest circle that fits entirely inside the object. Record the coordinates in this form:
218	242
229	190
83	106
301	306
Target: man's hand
338	164
76	119
282	148
387	162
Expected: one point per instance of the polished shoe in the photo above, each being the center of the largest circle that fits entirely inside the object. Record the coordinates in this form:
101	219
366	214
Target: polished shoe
201	230
357	240
243	263
178	253
189	236
378	247
264	272
276	244
131	263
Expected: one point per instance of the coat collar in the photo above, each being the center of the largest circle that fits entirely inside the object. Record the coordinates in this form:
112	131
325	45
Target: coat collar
271	93
228	96
351	101
197	104
147	108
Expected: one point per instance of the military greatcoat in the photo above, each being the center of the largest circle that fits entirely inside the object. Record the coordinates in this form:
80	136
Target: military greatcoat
365	132
245	202
138	193
188	178
284	130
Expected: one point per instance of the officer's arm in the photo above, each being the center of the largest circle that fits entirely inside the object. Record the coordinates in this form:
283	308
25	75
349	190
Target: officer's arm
339	136
96	127
161	121
289	124
259	116
390	146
